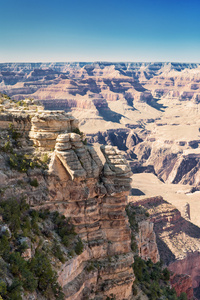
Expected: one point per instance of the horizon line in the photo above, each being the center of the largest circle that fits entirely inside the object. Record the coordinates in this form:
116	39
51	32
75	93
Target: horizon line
98	61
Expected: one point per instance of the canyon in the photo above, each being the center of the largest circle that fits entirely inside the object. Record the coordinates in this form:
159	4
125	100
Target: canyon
150	112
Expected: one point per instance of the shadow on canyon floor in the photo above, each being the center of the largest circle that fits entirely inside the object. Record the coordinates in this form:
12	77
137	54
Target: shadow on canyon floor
154	103
136	192
109	115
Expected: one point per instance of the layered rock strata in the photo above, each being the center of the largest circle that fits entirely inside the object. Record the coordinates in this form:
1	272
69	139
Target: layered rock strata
146	241
172	161
182	283
92	195
47	125
177	240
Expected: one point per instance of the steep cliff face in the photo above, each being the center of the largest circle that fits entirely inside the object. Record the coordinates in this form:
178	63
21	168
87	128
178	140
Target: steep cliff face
146	241
178	243
93	196
143	235
124	139
96	207
186	275
182	283
173	161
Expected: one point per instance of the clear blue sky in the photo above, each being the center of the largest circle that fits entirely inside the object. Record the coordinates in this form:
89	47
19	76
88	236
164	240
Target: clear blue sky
91	30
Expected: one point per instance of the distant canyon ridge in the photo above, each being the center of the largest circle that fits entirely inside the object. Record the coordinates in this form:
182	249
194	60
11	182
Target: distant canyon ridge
148	110
151	112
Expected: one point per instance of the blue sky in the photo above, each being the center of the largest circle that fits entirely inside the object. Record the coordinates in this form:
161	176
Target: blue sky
106	30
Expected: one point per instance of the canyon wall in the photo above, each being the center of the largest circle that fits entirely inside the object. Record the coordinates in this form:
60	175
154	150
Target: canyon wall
178	243
92	195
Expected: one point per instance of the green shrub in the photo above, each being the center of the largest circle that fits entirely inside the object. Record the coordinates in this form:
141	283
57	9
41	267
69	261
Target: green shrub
63	227
7	148
35	227
44	214
40	265
13	132
45	158
153	280
3	288
132	219
77	131
134	290
22	247
182	296
72	253
22	162
4	246
79	247
29	282
26	225
90	267
14	290
19	103
85	141
57	252
19	162
65	241
36	273
134	246
166	274
34	182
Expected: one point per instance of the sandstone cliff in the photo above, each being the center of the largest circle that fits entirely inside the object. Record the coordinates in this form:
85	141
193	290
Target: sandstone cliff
178	243
77	185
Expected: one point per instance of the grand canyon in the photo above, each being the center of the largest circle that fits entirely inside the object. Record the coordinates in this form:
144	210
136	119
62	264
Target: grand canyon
114	150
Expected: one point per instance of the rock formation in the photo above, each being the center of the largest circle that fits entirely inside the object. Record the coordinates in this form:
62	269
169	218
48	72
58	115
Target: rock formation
182	283
178	242
93	196
146	241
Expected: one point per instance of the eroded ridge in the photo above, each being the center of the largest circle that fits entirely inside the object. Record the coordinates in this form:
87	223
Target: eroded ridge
94	197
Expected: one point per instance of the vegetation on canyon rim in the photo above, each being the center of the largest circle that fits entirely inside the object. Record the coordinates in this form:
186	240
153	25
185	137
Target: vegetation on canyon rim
30	229
16	160
49	237
152	278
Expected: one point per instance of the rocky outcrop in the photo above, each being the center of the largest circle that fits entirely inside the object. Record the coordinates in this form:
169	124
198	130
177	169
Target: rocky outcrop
188	274
46	126
172	162
182	283
178	243
92	195
146	241
124	139
96	208
143	235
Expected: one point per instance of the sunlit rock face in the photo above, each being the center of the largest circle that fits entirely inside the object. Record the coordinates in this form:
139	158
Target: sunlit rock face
94	197
91	194
146	241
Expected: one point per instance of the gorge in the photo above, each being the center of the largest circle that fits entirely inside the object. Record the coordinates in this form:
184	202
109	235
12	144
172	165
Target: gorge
150	112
